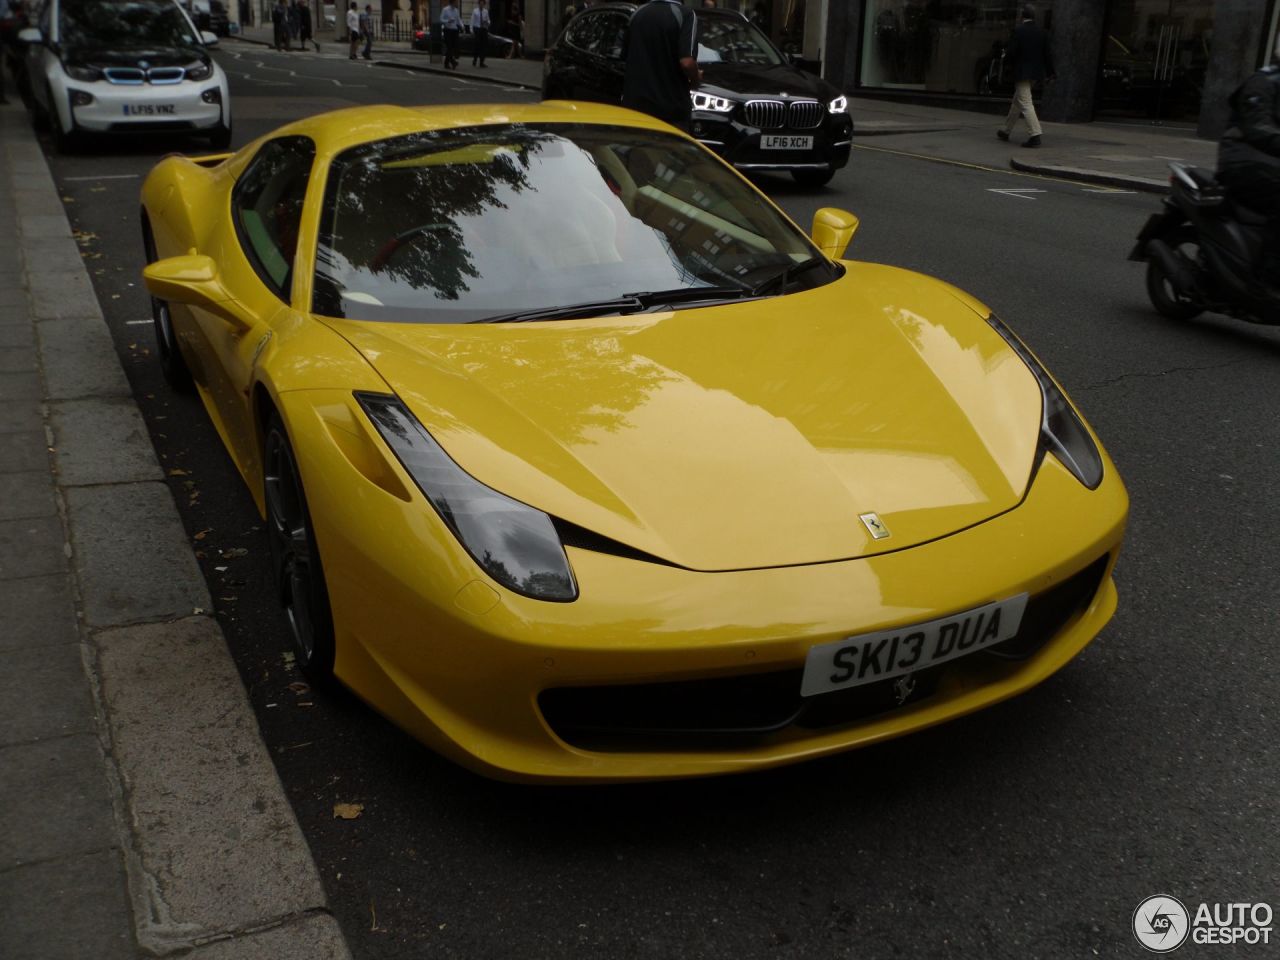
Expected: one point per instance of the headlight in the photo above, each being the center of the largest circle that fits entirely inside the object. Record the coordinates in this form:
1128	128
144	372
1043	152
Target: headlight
199	71
514	543
1061	430
83	74
705	101
838	105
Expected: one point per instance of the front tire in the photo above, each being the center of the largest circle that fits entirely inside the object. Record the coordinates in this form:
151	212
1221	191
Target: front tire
814	178
295	561
1160	286
172	365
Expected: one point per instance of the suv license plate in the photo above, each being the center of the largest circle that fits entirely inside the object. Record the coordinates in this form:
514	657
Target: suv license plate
775	141
891	653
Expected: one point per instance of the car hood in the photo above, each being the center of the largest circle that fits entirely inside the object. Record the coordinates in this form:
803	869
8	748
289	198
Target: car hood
755	80
740	436
89	55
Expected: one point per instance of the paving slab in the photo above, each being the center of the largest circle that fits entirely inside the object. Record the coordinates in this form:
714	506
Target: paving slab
38	612
20	416
26	495
101	440
52	254
45	692
79	359
39	203
31	547
314	937
53	224
20	385
70	909
55	801
24	449
17	359
199	783
58	295
142	569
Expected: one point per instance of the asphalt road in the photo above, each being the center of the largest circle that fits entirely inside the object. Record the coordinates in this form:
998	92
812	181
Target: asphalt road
1031	830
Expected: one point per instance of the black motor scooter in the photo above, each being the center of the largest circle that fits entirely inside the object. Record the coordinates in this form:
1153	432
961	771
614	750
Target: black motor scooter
1204	251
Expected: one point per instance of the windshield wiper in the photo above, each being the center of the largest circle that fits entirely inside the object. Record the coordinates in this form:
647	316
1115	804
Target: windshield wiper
785	275
661	298
624	304
627	303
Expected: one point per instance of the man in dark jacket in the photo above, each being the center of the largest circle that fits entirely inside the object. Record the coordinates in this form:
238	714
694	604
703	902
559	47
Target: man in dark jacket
661	61
1028	57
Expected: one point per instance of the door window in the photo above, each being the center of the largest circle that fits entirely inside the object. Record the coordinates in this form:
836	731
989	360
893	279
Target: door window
267	208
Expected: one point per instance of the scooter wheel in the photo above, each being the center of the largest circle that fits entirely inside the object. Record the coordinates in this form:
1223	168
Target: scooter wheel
1160	288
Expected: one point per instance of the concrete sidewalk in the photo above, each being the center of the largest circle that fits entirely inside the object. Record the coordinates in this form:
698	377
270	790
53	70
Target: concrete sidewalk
142	813
1133	156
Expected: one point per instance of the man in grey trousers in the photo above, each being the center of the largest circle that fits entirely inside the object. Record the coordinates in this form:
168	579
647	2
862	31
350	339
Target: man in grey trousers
1028	56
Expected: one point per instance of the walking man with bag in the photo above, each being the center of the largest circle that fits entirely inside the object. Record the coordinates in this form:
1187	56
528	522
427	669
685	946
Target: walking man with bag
366	30
1028	57
450	31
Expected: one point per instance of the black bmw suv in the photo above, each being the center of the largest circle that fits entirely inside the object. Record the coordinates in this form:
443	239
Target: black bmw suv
754	107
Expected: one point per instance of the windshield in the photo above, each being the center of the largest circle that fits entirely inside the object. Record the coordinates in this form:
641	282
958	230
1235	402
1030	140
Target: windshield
728	40
131	23
465	225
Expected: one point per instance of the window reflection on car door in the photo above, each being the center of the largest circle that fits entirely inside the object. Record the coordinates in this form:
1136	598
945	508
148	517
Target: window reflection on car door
255	251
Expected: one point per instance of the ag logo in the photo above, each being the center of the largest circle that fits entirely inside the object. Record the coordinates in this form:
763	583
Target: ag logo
1161	923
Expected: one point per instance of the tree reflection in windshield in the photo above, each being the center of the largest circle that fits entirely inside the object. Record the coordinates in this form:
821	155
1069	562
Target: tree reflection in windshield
464	225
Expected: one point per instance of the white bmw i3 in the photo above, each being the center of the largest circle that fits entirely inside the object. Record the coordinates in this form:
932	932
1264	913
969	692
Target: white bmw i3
124	66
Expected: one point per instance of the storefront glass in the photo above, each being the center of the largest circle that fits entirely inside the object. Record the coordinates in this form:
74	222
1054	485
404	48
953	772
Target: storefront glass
1154	57
942	47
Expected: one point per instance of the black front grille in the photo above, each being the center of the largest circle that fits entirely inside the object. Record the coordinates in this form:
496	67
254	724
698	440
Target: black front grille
765	114
734	711
805	114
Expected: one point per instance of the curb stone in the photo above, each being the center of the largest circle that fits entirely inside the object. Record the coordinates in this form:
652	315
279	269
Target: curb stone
215	862
1081	175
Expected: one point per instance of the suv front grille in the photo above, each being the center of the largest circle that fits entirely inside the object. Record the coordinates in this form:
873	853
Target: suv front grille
774	114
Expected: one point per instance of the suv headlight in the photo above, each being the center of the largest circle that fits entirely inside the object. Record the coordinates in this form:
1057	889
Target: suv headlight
838	105
1062	432
199	71
514	543
707	101
83	74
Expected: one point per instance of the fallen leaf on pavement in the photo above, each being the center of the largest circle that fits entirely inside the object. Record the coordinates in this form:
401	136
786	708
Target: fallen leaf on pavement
347	811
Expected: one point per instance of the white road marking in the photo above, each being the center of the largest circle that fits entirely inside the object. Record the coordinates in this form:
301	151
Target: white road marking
105	176
136	323
1106	190
1018	192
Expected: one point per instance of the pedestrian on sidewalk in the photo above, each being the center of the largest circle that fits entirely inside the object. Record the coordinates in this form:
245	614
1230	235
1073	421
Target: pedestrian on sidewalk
366	30
8	30
1029	58
304	25
479	33
450	29
515	29
353	28
662	61
280	25
295	24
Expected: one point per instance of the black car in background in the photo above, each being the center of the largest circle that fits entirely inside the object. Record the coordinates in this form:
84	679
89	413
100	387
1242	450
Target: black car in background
754	107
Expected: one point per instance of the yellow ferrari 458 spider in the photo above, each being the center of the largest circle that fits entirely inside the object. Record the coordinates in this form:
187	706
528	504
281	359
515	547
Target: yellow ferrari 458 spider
580	461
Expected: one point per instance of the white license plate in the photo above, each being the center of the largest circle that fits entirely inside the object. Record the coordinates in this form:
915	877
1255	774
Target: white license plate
149	109
777	141
892	653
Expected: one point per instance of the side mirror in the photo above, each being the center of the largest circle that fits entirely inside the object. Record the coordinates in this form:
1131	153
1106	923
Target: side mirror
208	39
31	36
832	230
192	280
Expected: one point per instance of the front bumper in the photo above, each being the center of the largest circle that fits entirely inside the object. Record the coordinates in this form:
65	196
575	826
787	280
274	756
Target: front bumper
117	108
740	143
472	670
